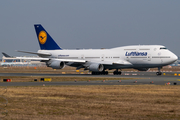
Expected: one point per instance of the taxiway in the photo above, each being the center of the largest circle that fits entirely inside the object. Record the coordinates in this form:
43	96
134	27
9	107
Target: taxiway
139	78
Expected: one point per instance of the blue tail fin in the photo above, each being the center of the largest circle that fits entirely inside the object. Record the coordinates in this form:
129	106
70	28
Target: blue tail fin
45	40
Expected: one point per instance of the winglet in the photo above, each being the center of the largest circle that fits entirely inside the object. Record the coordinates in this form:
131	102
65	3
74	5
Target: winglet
45	40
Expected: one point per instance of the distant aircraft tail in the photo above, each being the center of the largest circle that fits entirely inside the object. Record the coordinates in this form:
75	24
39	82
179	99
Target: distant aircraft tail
45	40
6	55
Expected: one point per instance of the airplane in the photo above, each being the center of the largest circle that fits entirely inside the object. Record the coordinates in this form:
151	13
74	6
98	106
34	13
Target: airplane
99	61
12	61
7	63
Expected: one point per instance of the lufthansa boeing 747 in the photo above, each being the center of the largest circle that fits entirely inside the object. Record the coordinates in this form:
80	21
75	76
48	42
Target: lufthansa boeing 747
99	61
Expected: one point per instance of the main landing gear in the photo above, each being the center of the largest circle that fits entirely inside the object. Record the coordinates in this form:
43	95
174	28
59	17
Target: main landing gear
159	71
117	72
100	73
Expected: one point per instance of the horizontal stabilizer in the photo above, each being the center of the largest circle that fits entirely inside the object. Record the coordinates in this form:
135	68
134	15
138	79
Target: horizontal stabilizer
39	54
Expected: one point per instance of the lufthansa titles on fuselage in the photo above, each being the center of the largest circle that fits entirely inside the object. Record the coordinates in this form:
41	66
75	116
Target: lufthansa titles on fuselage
136	54
63	55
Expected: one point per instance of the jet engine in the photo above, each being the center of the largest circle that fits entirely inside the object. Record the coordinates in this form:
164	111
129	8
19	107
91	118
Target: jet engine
142	69
96	67
57	64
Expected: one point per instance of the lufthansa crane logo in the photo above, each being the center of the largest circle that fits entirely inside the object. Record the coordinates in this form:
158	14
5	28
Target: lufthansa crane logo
42	37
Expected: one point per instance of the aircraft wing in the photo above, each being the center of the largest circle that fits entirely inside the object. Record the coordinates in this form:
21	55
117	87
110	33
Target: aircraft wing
122	62
119	62
71	60
46	59
33	58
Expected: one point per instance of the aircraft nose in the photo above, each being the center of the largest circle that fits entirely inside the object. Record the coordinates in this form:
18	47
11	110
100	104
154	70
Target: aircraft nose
174	57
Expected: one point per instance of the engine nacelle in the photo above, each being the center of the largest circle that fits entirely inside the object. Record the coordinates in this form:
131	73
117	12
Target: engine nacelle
96	67
142	69
57	64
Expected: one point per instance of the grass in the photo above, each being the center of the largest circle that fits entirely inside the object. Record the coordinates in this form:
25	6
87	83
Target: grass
48	70
121	102
94	102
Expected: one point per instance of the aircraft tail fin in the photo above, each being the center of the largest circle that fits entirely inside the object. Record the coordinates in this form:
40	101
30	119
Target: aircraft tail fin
6	55
45	40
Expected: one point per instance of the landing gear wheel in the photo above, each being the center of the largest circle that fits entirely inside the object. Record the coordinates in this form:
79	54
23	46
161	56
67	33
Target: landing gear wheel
100	73
104	73
117	73
95	73
159	73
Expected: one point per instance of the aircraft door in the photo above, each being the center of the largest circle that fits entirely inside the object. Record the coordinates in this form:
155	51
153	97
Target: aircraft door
82	57
102	57
159	54
127	58
149	57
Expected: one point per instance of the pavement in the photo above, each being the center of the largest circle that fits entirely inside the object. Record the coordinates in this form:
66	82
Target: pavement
139	78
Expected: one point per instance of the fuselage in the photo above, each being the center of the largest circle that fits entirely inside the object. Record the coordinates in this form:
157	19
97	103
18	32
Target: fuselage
140	56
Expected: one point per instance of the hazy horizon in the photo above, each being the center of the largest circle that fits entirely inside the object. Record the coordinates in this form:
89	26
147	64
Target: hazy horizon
89	24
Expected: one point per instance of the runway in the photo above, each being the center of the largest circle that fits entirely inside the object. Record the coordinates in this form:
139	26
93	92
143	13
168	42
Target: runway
139	78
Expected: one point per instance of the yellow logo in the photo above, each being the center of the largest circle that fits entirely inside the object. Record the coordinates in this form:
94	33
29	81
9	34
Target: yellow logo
42	37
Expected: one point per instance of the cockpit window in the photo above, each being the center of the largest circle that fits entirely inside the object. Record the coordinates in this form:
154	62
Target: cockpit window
163	48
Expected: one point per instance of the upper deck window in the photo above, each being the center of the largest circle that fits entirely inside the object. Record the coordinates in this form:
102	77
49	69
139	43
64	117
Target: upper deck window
163	48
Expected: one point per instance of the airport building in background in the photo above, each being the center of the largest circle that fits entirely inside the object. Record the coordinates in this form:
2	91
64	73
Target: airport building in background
13	61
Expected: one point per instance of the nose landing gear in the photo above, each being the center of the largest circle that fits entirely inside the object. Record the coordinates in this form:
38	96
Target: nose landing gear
159	71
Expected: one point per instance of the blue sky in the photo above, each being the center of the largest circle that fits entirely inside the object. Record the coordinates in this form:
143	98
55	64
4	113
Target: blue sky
89	23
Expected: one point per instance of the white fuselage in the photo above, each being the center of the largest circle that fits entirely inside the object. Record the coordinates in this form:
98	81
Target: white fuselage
139	56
